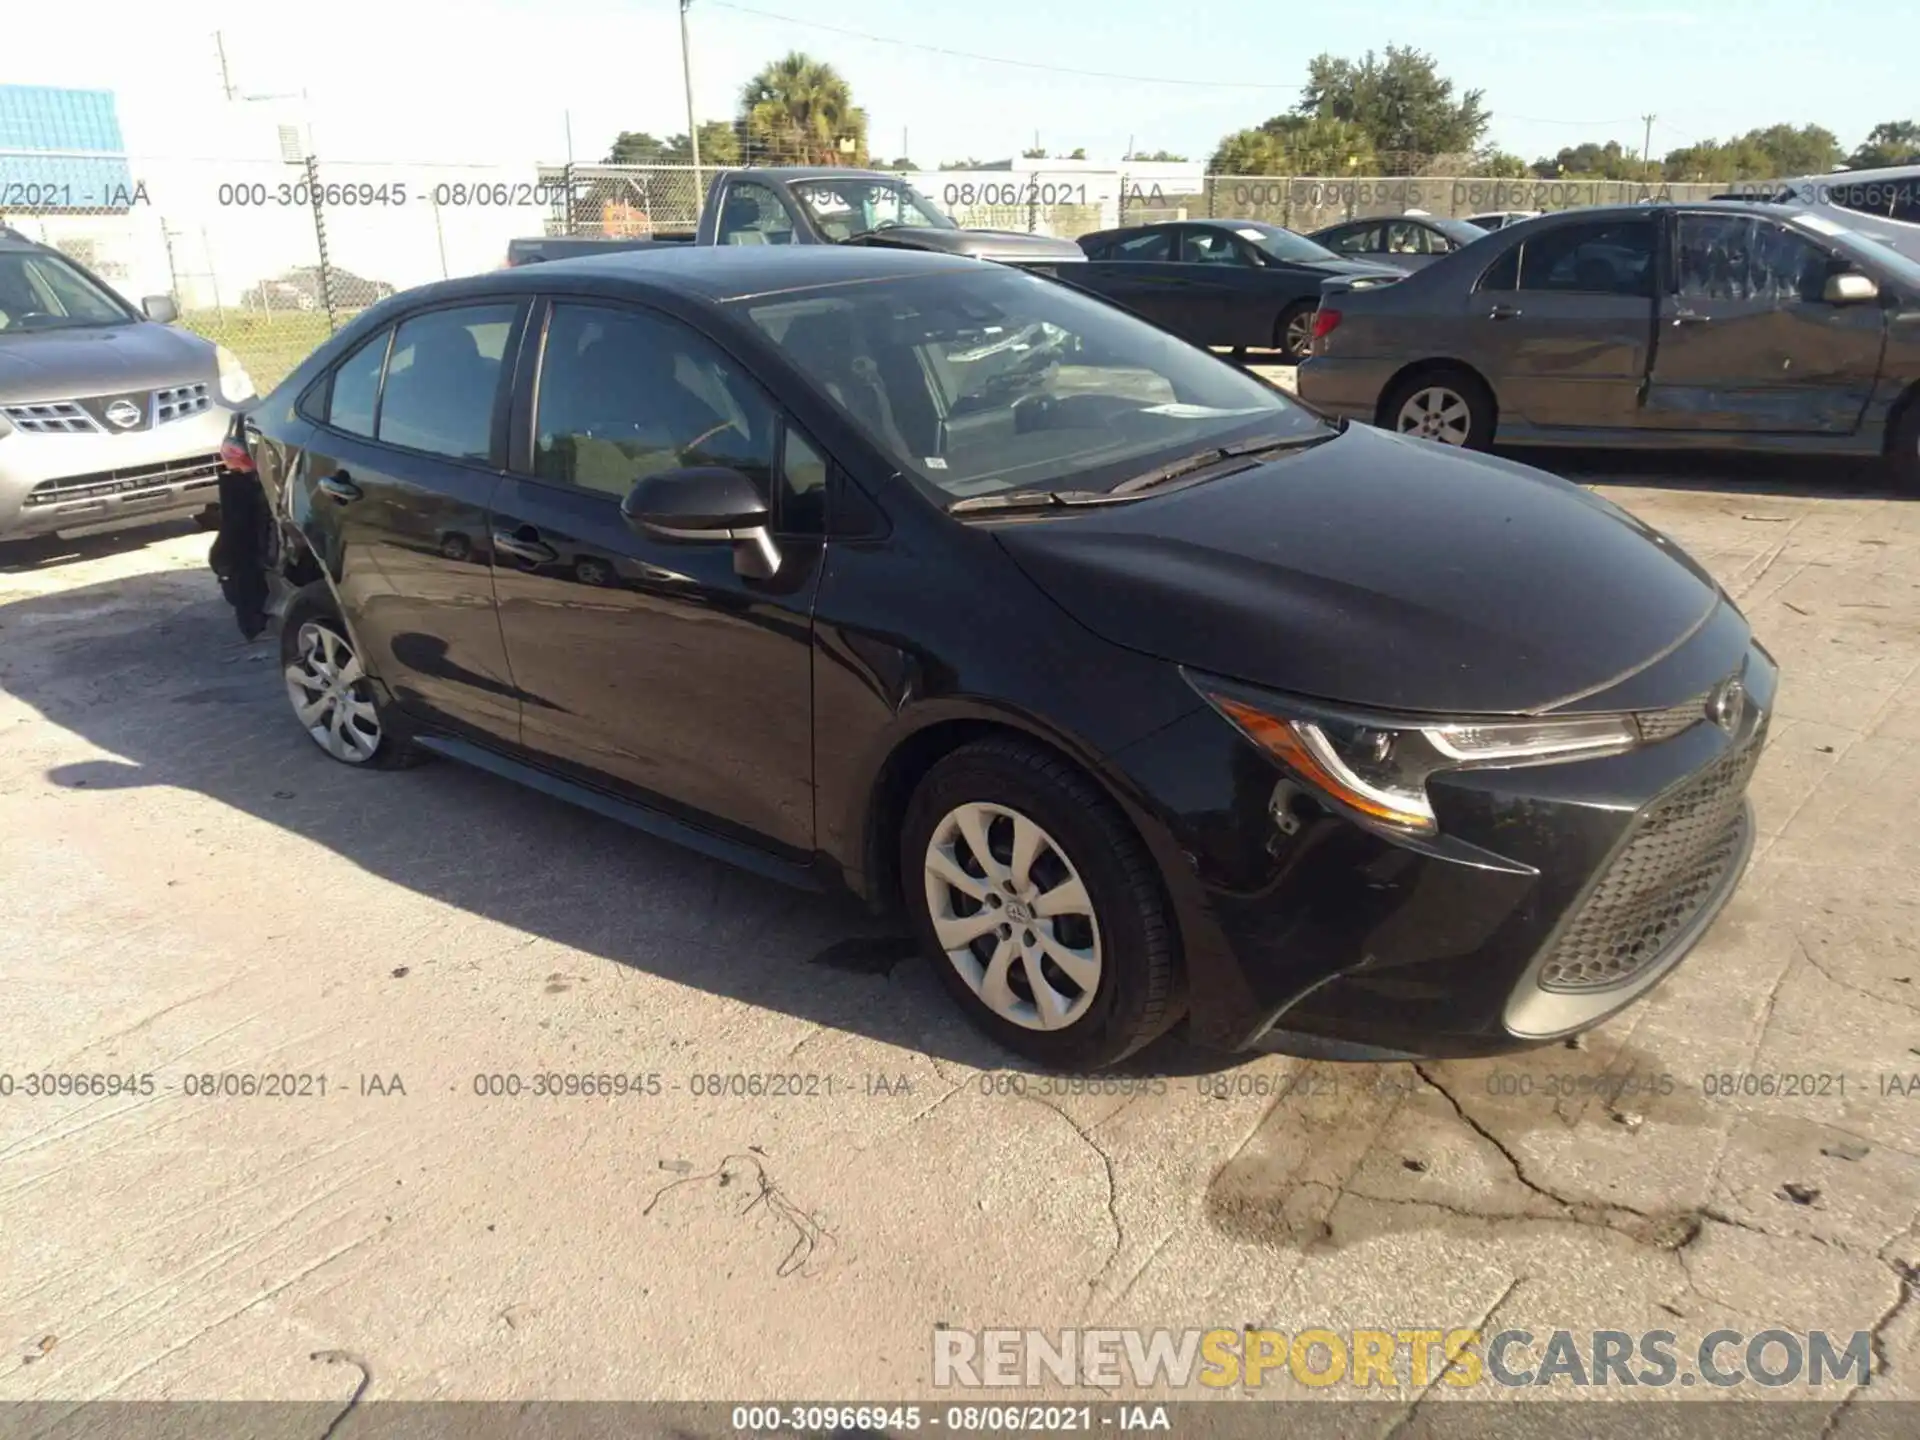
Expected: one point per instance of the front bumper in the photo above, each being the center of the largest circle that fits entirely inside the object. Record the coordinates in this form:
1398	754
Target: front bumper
1346	388
1564	891
74	482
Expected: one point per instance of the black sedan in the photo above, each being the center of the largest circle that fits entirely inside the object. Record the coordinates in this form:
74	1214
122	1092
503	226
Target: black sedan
1714	326
1143	690
1238	283
1406	242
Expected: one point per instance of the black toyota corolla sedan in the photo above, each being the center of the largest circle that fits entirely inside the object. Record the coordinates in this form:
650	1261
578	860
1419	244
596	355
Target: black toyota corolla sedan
1146	691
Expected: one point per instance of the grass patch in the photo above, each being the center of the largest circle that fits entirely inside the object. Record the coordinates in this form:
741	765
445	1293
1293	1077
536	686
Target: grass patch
269	343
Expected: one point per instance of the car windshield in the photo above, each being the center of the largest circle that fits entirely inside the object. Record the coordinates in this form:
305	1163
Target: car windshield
981	381
40	290
846	208
1283	244
1874	253
1458	231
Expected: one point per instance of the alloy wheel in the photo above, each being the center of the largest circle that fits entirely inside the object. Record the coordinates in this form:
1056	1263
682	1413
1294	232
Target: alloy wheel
1013	916
1299	336
1436	412
329	692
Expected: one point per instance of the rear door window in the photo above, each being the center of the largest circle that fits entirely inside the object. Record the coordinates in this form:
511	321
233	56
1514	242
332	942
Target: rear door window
1362	241
1599	257
355	393
1154	245
443	380
1211	247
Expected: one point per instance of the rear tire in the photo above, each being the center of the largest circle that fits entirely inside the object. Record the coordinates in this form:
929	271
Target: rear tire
1293	331
1057	942
1903	451
332	698
1445	404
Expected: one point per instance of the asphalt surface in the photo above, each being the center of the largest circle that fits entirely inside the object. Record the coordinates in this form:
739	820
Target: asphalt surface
191	890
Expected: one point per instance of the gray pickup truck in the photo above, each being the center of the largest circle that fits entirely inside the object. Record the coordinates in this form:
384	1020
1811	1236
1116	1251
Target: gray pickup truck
820	207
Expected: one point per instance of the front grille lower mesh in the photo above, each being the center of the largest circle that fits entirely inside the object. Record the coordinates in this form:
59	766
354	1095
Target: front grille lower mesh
1675	862
1656	725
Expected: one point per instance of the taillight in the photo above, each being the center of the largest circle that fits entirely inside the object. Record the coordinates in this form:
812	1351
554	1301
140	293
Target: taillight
234	456
1325	322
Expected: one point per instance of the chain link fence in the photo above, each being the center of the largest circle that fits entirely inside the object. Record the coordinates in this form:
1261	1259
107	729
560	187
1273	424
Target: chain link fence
270	257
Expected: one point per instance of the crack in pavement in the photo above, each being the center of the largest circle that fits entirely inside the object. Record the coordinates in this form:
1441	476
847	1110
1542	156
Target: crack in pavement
344	1357
1806	953
1113	1188
1479	1327
1876	1337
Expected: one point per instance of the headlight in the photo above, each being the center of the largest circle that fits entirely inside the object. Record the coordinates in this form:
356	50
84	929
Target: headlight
1378	769
235	384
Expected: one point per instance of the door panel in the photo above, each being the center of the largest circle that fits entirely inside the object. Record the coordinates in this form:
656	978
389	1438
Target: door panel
1746	343
651	666
408	529
1562	326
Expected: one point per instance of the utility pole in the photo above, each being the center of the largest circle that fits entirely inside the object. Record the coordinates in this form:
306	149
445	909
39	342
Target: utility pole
226	80
1646	145
686	69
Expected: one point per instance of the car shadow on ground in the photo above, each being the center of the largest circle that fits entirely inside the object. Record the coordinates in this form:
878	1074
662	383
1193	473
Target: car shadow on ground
47	552
179	700
1806	477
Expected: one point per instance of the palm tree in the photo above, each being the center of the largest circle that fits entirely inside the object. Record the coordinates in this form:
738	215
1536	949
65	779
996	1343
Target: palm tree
800	110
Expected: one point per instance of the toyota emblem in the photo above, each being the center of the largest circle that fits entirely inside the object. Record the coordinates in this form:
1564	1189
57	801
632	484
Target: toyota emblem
124	413
1726	705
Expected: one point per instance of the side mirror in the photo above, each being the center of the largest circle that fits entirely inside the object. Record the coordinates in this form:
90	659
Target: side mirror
160	308
709	504
1849	289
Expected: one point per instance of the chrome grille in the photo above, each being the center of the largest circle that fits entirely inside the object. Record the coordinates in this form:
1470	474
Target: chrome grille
1658	725
179	401
1674	864
189	473
51	417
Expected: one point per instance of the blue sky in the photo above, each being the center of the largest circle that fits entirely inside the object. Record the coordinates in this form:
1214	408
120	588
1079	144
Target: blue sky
507	79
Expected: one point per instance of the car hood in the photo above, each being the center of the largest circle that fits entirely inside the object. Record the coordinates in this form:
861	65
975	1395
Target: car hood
1015	246
1354	269
99	360
1378	571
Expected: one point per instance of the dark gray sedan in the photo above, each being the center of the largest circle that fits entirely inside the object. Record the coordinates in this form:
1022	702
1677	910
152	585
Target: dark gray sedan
1710	326
1406	242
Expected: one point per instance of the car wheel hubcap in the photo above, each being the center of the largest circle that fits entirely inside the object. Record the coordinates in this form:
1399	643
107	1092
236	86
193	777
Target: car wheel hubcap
1437	413
329	694
1012	916
1300	334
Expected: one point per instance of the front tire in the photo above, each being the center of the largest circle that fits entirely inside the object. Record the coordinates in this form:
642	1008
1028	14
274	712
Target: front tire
328	688
1445	405
1039	907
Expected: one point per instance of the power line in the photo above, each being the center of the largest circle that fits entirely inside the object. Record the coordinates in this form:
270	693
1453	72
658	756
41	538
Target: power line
1000	59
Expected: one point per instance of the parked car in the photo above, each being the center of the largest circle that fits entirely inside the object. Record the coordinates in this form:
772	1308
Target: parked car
1142	688
812	206
1406	242
1236	283
1500	219
301	288
1710	326
108	414
1882	205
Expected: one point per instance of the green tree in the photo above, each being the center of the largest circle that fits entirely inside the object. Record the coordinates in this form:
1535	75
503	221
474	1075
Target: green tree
1296	145
967	164
1591	160
1037	153
1401	102
1896	142
719	145
901	163
1079	153
1498	164
1773	152
1158	156
800	110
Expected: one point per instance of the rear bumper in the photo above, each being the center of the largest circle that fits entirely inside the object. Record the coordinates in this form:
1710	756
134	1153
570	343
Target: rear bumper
1563	893
1346	388
72	482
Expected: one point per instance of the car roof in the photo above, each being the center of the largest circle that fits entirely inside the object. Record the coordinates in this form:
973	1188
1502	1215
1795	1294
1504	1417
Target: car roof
715	273
815	172
1854	177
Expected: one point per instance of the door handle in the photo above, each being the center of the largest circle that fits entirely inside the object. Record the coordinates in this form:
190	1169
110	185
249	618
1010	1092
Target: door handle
533	552
340	487
1690	317
1504	312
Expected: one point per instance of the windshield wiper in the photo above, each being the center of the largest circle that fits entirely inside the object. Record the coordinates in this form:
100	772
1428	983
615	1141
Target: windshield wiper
1205	459
1030	500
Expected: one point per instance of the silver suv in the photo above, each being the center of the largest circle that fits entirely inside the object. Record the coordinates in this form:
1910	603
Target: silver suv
107	415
